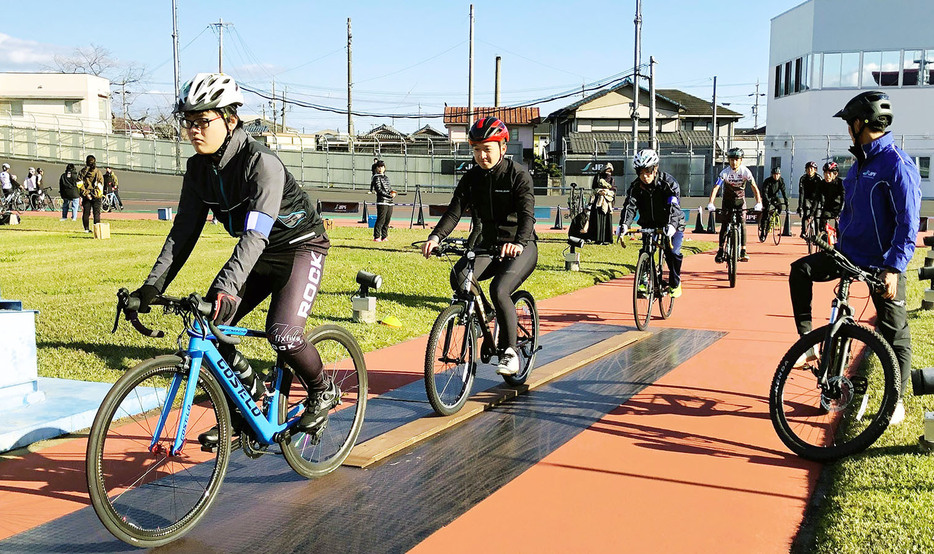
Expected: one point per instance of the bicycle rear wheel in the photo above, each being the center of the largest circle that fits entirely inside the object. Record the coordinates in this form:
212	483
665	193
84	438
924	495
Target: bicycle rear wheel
106	205
527	335
20	203
666	302
319	453
643	291
450	360
850	412
142	493
776	228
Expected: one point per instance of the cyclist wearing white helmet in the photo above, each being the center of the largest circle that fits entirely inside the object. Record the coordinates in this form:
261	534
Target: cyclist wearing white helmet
735	179
281	240
656	196
5	182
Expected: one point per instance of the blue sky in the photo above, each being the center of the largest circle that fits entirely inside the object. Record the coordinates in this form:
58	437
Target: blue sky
408	57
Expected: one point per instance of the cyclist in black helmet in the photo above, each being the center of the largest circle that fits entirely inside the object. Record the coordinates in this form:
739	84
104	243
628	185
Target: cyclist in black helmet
734	180
499	192
281	243
878	227
773	196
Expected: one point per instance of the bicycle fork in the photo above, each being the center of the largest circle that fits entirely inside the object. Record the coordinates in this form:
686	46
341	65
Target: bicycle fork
193	371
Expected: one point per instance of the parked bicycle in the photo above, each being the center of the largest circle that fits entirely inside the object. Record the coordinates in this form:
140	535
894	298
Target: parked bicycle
836	388
452	354
42	200
17	201
110	202
649	283
149	481
771	224
733	242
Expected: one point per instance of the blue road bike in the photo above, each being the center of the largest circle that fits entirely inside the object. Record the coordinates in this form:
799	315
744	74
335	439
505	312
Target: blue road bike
149	478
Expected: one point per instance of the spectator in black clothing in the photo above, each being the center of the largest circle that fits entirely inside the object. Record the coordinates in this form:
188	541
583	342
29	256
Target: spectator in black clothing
384	195
601	207
773	187
68	189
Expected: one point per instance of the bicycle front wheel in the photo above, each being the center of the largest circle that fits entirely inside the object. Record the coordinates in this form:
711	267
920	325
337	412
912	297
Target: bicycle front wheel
145	495
319	453
763	227
450	360
849	412
732	258
666	302
776	228
643	291
527	335
105	204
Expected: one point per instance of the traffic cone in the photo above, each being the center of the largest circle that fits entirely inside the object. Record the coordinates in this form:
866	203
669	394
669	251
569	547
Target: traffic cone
421	215
559	224
698	224
364	216
786	229
712	223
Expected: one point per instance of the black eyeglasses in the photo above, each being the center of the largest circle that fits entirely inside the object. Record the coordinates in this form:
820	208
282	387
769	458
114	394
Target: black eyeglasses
201	124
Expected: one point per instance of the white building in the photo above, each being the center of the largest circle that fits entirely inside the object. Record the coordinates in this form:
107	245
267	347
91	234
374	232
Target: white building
55	101
824	52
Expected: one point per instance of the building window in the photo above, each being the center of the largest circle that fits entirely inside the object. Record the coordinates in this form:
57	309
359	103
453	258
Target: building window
789	79
815	71
849	70
924	166
779	81
72	106
880	69
918	68
776	162
12	107
831	73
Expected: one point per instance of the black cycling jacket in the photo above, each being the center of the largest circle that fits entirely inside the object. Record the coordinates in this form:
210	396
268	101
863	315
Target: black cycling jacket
773	188
831	197
658	204
256	199
808	196
503	199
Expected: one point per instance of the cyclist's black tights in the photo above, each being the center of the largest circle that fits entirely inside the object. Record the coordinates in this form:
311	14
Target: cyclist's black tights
891	315
293	279
507	275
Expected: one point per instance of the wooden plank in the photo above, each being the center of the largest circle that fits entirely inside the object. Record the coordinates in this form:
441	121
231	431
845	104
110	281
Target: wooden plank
414	432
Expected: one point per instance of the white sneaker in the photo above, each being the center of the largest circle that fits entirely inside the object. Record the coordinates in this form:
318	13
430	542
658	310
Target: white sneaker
898	415
508	362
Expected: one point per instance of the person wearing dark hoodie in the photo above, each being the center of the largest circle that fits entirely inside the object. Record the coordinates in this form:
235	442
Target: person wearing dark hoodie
68	189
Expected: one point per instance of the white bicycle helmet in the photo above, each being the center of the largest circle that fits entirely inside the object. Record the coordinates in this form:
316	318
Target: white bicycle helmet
645	158
209	91
6	166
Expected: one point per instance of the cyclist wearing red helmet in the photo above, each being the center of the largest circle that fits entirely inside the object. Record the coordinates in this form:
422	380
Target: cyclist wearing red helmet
830	192
498	191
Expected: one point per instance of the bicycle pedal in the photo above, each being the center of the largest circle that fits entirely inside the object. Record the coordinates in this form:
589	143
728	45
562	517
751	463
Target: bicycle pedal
209	448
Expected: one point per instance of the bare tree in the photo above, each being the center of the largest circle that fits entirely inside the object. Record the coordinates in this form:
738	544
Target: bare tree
93	60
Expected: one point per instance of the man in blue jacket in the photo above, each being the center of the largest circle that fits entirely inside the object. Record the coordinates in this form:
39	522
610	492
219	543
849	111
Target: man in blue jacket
878	226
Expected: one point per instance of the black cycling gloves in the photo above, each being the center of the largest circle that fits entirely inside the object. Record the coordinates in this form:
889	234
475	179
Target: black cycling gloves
145	294
225	308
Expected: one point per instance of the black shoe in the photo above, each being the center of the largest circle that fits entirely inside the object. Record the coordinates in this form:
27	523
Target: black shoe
211	437
317	407
743	257
719	258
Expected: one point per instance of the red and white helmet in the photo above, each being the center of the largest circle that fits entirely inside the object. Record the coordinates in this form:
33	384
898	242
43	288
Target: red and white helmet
488	129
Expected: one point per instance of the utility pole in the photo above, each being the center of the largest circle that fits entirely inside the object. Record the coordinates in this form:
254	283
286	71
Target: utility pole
713	145
178	129
283	109
272	104
637	61
470	75
653	142
499	63
220	42
126	128
755	106
349	87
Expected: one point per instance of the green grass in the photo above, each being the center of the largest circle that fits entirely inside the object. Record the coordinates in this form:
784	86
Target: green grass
883	499
72	280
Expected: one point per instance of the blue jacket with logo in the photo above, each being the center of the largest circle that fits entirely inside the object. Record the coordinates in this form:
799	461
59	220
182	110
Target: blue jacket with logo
881	207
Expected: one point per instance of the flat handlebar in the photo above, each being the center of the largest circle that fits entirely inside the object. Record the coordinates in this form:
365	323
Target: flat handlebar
847	266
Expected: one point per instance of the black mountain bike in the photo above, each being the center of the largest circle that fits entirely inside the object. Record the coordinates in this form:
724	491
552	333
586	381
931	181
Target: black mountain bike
771	224
451	357
649	284
834	392
732	242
